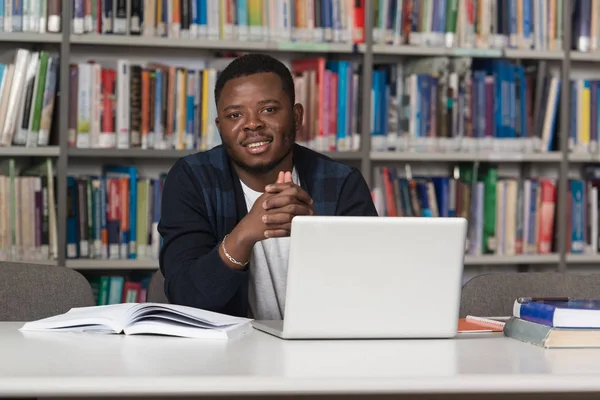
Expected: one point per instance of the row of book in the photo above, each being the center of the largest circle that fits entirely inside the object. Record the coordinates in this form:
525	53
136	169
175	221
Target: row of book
114	216
28	88
118	289
468	105
34	16
506	216
159	106
28	227
340	21
523	24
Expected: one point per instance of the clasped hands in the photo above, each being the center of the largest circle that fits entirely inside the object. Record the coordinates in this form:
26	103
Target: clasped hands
282	201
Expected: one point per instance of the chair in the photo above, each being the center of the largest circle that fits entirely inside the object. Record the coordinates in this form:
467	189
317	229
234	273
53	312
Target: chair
156	289
33	291
495	294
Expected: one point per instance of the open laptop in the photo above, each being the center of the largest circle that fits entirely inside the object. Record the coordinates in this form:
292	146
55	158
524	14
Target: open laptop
372	277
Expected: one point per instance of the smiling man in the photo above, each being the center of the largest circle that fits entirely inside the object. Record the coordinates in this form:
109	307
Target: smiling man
226	213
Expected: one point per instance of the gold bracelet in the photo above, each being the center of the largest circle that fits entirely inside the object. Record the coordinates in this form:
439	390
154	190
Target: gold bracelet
233	260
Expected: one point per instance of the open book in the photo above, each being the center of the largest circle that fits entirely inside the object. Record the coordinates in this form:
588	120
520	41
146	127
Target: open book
144	318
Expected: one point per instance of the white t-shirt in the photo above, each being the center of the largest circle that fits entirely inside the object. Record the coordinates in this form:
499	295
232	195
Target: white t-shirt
268	269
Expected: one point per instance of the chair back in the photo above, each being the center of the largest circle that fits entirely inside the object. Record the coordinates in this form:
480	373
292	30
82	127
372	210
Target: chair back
33	291
493	295
156	289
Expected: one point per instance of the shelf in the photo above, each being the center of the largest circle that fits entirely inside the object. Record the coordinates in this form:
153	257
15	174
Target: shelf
465	157
173	154
519	54
18	151
582	157
383	49
213	45
27	37
581	56
85	264
129	153
493	259
583	259
33	262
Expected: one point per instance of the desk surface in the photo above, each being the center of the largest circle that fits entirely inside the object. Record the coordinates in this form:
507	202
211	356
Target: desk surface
55	364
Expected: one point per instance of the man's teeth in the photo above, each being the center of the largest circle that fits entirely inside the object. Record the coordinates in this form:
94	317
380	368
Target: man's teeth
257	144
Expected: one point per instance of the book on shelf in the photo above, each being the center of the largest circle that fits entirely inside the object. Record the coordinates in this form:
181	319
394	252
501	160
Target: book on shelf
28	87
583	212
483	24
337	21
33	16
159	106
114	216
144	319
506	216
28	212
117	289
442	104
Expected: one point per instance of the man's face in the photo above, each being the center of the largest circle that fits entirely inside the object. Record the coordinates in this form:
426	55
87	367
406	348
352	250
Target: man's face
256	121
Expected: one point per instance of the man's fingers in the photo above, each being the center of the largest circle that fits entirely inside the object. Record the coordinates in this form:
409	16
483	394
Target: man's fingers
288	177
276	233
288	204
292	192
280	177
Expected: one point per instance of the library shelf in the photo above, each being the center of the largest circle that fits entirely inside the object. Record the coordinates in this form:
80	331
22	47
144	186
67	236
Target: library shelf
583	258
418	51
550	157
89	264
584	56
174	154
492	259
495	259
33	262
30	37
520	54
582	157
211	45
20	151
129	153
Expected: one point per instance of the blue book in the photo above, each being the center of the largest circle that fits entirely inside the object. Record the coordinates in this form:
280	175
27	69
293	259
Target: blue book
559	313
128	239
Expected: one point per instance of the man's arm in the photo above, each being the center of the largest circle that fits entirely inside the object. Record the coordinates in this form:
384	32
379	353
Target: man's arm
195	273
355	197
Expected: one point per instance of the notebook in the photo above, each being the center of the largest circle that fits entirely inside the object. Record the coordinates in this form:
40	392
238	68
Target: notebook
472	324
144	318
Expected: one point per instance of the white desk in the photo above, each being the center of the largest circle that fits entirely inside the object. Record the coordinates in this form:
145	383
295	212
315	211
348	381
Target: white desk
63	364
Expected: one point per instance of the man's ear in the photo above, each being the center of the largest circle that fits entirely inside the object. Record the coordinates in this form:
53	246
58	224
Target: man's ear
217	122
298	116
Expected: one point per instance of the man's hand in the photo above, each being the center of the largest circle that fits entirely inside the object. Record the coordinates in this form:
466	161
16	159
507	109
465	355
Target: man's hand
286	201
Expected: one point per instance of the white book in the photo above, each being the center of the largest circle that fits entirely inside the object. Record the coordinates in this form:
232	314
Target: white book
144	319
14	100
84	105
123	99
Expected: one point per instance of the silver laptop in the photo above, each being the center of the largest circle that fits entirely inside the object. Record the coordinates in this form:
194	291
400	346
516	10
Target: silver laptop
372	277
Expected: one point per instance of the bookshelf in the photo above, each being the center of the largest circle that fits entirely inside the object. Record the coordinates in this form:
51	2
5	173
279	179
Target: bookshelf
369	54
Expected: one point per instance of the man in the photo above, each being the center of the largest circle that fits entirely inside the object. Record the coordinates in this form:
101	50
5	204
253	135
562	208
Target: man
226	213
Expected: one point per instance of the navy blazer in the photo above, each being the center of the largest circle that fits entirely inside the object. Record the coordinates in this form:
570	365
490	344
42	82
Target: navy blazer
202	201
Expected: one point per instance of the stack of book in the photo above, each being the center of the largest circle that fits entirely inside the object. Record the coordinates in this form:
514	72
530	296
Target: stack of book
555	323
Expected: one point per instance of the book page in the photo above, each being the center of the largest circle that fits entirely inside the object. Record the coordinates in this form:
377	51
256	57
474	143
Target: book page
208	317
112	317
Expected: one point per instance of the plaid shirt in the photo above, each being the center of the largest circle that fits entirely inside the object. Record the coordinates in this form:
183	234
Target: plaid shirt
202	201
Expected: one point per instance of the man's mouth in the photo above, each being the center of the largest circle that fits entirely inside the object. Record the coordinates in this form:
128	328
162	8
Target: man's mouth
258	147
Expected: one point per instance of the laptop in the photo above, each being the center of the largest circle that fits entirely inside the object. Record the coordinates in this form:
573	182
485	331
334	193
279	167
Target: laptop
372	278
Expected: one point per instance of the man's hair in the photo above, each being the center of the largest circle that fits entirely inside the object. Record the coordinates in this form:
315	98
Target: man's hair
251	64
